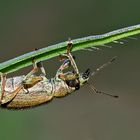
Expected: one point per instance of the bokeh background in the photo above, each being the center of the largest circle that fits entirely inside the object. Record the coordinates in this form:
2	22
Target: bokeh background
29	24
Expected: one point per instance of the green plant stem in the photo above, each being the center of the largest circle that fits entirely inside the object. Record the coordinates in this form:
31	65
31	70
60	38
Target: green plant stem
55	50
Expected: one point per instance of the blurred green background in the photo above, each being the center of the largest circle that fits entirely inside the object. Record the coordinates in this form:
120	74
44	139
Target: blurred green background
29	24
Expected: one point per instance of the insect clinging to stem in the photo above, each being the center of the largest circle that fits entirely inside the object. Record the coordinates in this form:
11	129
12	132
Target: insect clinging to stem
32	90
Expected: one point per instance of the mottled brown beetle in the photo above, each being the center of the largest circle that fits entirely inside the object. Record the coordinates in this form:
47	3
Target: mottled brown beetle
32	90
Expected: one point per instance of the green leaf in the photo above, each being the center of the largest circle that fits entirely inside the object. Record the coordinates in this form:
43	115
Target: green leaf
55	50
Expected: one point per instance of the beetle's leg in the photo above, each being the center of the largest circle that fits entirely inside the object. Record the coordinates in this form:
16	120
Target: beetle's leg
40	66
73	63
30	80
33	71
4	98
36	67
3	83
66	64
10	96
68	59
66	76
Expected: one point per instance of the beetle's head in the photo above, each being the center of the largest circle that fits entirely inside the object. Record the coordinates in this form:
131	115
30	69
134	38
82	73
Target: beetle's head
84	77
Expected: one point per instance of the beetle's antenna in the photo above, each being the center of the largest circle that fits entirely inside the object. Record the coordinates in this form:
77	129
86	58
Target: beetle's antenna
104	65
97	70
101	92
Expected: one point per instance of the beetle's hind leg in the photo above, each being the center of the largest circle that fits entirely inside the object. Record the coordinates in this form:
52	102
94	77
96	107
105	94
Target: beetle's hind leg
3	83
4	98
30	80
10	96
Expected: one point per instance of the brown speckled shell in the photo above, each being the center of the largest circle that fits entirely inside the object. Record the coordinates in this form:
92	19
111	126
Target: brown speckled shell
42	92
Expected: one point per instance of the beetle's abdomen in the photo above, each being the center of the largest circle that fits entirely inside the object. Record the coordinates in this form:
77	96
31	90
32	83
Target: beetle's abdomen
26	100
40	93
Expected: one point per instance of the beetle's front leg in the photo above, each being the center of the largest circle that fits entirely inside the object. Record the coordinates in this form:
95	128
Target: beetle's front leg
73	63
68	59
71	75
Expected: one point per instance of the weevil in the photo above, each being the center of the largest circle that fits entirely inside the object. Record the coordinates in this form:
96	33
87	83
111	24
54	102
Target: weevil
32	90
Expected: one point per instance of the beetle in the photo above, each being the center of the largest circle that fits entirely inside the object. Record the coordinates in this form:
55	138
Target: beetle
32	90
